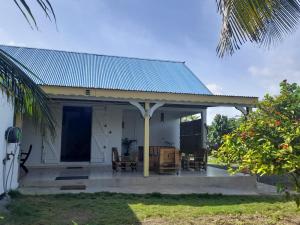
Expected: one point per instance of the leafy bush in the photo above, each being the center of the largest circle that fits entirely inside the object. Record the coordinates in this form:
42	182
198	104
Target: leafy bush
268	142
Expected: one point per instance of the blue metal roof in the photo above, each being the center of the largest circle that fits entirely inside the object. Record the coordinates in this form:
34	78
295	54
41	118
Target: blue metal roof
71	69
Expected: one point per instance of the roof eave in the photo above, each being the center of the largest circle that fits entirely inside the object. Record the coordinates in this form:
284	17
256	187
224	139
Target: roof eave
168	98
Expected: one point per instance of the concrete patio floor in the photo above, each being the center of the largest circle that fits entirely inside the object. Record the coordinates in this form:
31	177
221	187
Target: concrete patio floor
101	179
95	172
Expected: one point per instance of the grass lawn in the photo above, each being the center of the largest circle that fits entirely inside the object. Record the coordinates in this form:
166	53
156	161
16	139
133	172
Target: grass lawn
110	209
213	160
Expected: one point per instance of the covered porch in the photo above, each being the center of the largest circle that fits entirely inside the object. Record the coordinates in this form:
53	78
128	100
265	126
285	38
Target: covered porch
91	179
146	118
88	132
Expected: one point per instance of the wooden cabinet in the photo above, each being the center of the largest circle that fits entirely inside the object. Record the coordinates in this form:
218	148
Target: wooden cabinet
164	159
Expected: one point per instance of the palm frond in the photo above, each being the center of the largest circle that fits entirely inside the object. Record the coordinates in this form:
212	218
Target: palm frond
264	22
28	97
45	5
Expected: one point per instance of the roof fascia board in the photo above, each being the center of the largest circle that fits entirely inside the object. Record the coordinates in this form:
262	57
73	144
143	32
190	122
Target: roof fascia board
168	98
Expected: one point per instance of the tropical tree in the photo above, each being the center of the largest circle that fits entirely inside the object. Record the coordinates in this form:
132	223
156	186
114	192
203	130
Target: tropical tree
45	5
264	22
27	97
268	142
17	81
220	126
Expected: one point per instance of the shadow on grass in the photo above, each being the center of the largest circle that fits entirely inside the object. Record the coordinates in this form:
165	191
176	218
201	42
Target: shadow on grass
113	208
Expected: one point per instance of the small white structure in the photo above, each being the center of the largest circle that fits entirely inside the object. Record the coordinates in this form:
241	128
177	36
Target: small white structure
9	168
100	101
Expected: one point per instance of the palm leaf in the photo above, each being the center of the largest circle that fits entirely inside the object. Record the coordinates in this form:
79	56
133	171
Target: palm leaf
45	5
28	97
264	22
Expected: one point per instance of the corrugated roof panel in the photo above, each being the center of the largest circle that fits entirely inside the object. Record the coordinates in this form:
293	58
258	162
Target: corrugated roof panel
61	68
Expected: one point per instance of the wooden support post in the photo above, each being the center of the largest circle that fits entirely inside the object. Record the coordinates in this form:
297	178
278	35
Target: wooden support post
146	139
146	112
249	110
204	129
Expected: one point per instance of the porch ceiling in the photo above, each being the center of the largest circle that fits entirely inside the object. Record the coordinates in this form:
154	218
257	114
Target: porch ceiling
168	98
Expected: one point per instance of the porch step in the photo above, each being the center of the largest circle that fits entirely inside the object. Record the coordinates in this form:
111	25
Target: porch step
162	184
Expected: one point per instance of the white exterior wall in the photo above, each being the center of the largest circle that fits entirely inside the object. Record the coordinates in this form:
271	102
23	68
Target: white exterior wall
106	133
161	133
44	150
31	135
6	120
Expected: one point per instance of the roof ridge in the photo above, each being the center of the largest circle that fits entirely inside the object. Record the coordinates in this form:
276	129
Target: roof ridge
95	54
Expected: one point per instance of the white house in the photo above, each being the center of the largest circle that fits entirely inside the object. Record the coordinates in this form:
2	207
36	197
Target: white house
98	101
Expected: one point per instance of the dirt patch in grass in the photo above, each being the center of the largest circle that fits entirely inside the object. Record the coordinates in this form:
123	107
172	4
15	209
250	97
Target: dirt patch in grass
78	216
227	220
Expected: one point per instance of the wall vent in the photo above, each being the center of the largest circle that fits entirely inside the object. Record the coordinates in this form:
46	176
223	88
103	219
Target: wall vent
88	92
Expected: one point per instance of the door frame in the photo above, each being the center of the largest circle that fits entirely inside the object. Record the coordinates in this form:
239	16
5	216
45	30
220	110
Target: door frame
90	139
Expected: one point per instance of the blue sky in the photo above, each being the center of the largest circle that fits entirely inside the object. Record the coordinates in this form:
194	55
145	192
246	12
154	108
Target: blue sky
169	29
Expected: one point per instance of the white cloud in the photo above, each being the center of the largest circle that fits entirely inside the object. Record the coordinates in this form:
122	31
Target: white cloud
7	39
11	42
215	89
213	111
270	76
281	63
278	71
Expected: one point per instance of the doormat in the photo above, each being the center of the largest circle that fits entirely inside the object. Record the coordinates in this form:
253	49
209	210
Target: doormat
72	178
73	187
74	167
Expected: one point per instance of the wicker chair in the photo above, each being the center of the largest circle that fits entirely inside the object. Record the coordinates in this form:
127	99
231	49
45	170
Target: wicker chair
124	162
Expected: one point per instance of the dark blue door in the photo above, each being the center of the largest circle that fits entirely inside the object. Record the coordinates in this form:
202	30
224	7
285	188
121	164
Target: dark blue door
76	134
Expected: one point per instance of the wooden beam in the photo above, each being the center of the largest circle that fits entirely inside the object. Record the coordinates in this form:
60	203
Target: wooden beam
142	96
242	110
139	106
203	129
155	107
